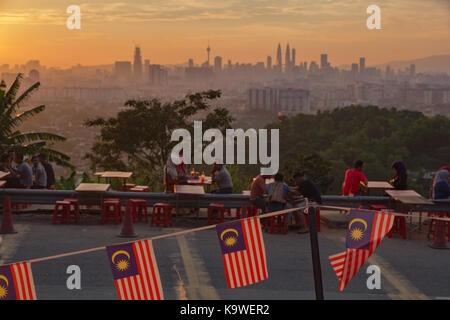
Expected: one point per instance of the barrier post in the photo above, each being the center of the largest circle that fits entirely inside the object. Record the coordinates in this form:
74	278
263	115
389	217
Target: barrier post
315	253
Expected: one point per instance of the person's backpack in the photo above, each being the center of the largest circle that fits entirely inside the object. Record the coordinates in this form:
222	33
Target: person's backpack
276	193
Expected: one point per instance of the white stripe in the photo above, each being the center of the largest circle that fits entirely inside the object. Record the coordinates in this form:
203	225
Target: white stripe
155	266
338	261
230	275
30	276
247	267
133	287
127	288
242	268
24	281
383	228
375	235
235	268
344	275
149	270
250	252
146	295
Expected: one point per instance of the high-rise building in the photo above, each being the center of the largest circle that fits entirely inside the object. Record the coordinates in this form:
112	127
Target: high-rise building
137	65
293	57
269	63
191	63
412	69
157	75
122	69
362	64
146	65
279	59
209	51
354	68
287	61
323	60
217	64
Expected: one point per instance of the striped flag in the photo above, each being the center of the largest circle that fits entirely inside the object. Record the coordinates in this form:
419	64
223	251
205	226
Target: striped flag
135	271
16	282
365	231
243	252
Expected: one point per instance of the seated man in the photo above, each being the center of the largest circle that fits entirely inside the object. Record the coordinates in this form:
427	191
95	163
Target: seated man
223	179
257	191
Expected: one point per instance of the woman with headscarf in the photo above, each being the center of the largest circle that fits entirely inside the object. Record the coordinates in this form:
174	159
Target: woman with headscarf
441	189
400	180
170	176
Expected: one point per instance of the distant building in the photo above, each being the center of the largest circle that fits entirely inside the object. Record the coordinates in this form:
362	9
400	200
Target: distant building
362	64
122	69
279	59
287	59
323	60
137	65
217	64
34	75
283	100
412	70
293	57
191	63
198	73
146	66
269	63
157	76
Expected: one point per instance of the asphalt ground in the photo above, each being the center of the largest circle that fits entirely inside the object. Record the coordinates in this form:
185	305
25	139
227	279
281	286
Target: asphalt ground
191	265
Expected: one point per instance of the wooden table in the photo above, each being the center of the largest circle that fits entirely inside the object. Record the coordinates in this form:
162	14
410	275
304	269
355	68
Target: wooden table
117	174
3	174
198	181
93	187
189	190
377	185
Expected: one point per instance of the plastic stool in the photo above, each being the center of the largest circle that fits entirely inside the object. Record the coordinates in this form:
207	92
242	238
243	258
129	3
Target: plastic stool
433	222
111	215
215	207
65	212
166	214
399	227
138	208
76	207
277	224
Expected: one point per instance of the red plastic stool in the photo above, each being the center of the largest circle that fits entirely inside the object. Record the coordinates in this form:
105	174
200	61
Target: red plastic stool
65	212
317	219
127	186
399	227
433	222
277	224
138	208
218	207
76	208
111	210
164	217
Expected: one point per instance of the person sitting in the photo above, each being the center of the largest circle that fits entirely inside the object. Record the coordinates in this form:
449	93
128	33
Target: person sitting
39	174
257	191
441	186
223	179
277	194
400	180
170	176
353	179
24	172
11	180
48	170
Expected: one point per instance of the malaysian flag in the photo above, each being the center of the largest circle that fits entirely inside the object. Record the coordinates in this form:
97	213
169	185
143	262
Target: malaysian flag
365	231
135	271
16	282
243	252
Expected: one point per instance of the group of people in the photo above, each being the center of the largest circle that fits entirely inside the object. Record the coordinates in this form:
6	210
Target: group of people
280	196
38	174
355	177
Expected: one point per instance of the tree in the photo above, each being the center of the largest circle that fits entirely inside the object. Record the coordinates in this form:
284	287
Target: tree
11	138
138	138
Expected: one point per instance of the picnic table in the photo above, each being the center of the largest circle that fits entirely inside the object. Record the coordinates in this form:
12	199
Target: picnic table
198	181
93	187
377	185
191	191
117	175
88	193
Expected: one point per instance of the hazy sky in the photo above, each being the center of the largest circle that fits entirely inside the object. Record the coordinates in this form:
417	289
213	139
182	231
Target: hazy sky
171	31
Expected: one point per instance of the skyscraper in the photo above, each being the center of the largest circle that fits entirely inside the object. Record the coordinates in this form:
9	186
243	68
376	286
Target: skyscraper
293	57
362	64
287	63
279	59
269	63
208	50
323	60
217	64
137	65
191	63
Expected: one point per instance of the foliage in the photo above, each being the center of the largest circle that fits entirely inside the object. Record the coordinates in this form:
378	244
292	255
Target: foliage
10	119
138	138
70	183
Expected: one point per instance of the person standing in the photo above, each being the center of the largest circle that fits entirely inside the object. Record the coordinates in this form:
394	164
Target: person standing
400	180
48	170
24	172
39	174
353	179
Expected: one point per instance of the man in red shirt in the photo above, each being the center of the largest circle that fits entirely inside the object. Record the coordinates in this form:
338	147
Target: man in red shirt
258	190
353	178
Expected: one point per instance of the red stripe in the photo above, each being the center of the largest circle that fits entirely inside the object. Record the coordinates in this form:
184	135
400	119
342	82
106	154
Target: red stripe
261	253
146	271
374	227
347	269
244	266
250	235
142	273
379	231
238	267
22	284
230	263
122	281
129	284
15	282
150	259
118	290
226	271
337	258
248	253
137	288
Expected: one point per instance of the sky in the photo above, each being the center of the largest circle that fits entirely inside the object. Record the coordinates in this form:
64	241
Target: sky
246	31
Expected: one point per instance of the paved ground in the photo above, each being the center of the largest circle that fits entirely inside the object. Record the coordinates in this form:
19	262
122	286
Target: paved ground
191	266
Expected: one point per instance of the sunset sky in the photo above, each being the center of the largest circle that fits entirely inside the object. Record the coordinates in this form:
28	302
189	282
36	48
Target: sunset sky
171	31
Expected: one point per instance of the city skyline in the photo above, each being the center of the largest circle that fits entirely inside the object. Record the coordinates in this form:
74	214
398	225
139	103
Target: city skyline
244	31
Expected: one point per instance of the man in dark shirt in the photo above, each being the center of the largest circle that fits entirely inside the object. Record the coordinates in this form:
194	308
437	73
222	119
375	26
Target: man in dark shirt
307	188
48	170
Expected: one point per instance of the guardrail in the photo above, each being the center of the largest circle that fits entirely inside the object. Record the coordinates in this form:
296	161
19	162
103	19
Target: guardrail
49	197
